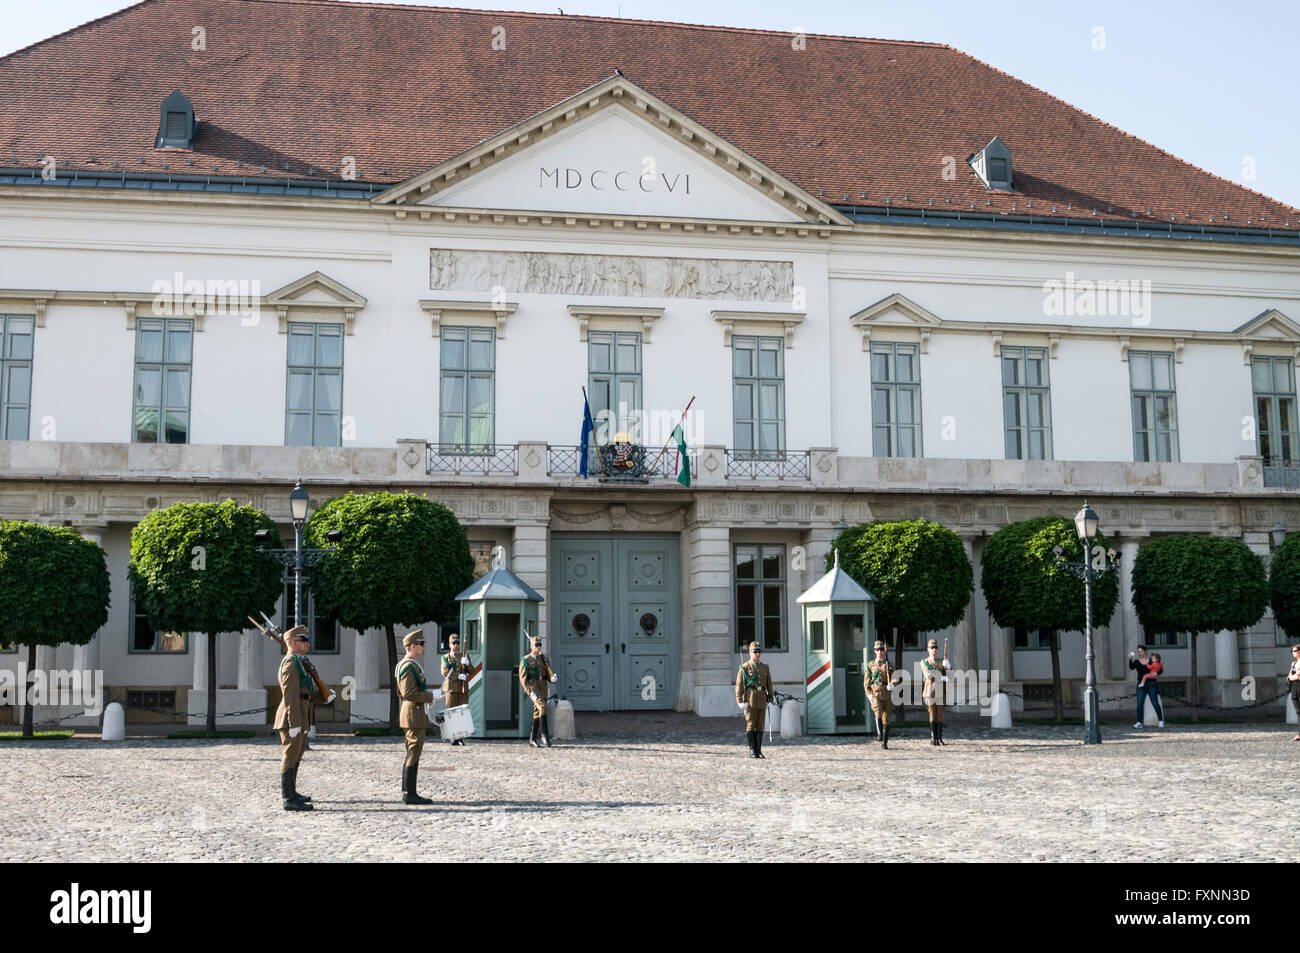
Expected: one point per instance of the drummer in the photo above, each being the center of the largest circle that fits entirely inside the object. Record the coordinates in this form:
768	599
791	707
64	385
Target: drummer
456	672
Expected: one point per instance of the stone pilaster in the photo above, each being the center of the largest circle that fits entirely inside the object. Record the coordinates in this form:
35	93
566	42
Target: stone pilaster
529	564
708	620
966	655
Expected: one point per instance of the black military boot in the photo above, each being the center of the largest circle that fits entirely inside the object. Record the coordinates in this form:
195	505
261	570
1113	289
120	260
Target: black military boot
411	774
934	734
884	740
758	744
941	741
749	740
403	782
542	729
879	734
291	803
532	735
293	783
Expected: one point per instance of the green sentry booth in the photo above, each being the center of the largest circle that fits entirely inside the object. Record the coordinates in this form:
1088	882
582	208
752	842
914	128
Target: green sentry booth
498	614
839	629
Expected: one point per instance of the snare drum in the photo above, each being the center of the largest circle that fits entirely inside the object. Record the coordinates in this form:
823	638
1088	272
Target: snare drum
456	723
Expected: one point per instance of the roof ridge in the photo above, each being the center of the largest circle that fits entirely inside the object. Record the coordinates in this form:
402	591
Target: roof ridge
77	28
586	16
1122	132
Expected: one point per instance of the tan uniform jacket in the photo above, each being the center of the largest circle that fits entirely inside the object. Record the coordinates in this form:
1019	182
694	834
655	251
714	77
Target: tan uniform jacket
413	693
538	686
932	687
452	685
876	682
295	697
761	693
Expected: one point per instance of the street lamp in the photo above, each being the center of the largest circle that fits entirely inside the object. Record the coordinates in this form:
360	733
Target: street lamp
1278	532
298	558
1085	525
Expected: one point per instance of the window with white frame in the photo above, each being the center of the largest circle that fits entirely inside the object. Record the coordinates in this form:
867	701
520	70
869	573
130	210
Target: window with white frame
758	396
16	336
895	400
1273	382
314	402
164	350
145	640
614	382
1026	403
1155	409
467	394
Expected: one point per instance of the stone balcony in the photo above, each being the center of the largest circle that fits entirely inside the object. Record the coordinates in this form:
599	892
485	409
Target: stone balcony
531	463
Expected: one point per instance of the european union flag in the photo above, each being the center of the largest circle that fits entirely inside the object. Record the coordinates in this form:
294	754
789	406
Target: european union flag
587	427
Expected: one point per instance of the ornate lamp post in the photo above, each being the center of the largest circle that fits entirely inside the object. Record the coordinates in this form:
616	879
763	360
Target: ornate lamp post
1085	525
1278	532
298	558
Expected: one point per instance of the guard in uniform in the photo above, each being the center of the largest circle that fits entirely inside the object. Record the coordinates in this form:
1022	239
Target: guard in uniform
878	682
291	717
456	671
535	676
934	675
415	694
753	692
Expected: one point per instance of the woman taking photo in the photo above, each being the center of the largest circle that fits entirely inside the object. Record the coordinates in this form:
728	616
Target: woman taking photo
1147	685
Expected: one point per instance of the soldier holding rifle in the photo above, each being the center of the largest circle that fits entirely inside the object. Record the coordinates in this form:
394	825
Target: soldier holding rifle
878	682
291	716
415	694
535	675
934	678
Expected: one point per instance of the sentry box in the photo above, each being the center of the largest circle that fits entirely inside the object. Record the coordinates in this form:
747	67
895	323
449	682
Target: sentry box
839	628
498	615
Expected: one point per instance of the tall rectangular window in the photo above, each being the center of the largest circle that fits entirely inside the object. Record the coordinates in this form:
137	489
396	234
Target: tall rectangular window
760	596
16	335
1155	414
468	390
614	380
314	400
1026	403
145	640
163	358
758	396
895	400
1273	381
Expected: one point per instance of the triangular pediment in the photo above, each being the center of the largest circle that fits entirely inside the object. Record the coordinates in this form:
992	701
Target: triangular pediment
896	312
1271	325
614	149
316	289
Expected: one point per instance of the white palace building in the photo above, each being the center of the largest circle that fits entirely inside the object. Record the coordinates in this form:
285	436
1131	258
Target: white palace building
246	242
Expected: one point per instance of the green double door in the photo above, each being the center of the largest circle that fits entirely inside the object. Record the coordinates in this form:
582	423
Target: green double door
616	619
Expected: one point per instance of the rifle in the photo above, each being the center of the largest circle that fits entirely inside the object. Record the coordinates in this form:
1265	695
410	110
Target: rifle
272	632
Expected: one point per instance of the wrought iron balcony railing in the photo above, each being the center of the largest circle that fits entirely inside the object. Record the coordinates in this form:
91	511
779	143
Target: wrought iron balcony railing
612	463
1282	475
768	465
485	459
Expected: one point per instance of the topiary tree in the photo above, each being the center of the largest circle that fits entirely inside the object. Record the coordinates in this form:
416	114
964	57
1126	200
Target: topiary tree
403	560
916	569
1195	582
195	568
54	588
1284	585
1025	588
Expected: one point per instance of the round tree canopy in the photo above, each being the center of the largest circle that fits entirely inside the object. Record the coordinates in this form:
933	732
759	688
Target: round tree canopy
1284	585
54	585
1195	582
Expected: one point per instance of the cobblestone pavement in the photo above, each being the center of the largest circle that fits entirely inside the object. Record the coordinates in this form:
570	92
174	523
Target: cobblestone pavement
668	787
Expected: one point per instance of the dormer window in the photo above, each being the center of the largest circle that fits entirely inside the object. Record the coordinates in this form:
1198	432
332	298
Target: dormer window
177	124
993	165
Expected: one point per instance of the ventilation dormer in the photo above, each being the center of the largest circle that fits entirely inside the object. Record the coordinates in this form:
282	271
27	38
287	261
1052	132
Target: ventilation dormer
176	125
993	165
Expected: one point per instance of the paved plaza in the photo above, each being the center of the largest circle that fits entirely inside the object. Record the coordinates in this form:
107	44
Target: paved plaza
668	787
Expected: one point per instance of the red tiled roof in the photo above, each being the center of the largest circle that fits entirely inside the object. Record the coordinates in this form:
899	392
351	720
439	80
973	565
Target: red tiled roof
302	83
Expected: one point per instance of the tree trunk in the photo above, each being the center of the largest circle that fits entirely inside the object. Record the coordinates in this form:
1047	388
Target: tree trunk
211	727
1058	708
27	694
392	681
1193	696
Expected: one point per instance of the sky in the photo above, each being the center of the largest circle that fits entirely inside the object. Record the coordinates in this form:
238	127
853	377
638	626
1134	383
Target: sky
1212	83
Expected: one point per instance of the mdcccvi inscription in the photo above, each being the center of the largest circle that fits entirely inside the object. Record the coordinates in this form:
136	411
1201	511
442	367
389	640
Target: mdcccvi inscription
643	276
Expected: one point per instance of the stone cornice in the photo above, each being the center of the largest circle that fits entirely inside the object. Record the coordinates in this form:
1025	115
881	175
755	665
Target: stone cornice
494	310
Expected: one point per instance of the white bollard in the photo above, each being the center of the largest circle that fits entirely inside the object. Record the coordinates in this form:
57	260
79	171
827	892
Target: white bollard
114	723
1000	711
791	722
1290	711
561	720
1149	719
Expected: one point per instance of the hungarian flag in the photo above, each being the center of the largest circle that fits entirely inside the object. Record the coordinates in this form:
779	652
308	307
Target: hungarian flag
684	477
